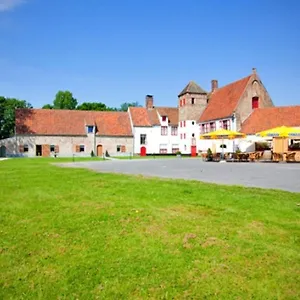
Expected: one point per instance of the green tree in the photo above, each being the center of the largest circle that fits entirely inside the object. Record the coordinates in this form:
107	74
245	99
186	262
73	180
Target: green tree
124	106
7	115
64	100
92	106
48	106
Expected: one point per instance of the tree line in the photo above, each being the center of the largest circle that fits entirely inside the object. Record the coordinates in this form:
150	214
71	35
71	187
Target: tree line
65	100
62	100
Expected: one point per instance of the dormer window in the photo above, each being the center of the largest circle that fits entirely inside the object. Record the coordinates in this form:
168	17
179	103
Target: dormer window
255	102
164	118
90	129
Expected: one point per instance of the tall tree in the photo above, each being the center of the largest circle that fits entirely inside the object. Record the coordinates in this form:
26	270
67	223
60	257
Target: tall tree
47	106
7	115
124	106
64	100
92	106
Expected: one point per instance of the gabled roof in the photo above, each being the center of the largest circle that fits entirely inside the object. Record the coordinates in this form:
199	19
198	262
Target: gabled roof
170	112
192	88
223	101
71	122
143	117
271	117
140	117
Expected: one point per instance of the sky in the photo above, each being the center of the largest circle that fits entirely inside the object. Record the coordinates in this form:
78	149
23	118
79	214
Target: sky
116	51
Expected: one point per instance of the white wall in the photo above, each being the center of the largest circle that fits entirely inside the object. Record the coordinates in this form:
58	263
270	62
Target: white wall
191	127
154	139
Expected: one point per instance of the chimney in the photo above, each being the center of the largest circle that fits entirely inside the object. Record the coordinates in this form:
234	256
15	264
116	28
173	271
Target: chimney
254	71
149	102
214	85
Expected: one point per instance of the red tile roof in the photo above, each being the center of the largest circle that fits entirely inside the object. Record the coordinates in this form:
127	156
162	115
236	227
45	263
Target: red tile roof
71	122
271	117
142	117
224	100
170	112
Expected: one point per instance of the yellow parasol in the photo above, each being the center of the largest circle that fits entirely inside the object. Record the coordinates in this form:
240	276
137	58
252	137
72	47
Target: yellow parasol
222	134
283	131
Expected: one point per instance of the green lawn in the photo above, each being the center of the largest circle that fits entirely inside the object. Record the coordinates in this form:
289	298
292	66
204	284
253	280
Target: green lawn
75	234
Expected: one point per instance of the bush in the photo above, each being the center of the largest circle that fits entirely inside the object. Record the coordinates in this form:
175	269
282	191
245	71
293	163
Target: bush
209	155
178	153
106	153
92	153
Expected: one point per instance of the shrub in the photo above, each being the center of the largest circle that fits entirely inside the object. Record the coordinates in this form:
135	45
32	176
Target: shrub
178	153
92	153
209	154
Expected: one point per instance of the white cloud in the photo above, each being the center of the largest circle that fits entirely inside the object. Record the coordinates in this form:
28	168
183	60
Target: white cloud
6	5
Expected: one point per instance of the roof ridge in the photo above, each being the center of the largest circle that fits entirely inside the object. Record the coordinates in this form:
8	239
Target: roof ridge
231	83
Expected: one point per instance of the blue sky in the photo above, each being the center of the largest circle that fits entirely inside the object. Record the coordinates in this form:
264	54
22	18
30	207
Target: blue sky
119	51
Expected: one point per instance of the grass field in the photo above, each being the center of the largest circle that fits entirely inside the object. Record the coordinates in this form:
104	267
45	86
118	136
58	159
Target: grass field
74	234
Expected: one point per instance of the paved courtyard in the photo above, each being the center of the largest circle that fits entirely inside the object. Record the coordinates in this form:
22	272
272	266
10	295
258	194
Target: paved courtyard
282	176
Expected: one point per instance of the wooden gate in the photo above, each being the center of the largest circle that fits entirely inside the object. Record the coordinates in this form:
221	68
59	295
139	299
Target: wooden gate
99	150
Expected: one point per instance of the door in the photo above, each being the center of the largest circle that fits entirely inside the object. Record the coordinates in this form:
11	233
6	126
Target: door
193	150
45	150
2	151
38	150
143	151
99	150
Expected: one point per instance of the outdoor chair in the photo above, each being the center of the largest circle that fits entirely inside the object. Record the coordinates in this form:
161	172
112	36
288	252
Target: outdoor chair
216	156
252	156
277	156
291	156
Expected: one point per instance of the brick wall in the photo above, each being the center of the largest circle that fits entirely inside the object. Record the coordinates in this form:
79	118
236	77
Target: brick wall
253	89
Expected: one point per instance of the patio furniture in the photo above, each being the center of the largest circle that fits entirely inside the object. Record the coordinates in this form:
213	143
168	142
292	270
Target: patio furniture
277	156
291	156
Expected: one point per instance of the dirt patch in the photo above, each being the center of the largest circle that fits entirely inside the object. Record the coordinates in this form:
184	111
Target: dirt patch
212	241
187	238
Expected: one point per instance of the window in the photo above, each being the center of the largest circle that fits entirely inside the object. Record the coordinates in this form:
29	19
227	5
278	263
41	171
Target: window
212	126
183	102
180	123
204	128
81	148
164	118
255	102
52	148
164	130
175	148
193	134
26	148
181	136
174	130
180	103
193	100
90	129
143	139
163	149
193	123
225	124
184	124
184	136
118	148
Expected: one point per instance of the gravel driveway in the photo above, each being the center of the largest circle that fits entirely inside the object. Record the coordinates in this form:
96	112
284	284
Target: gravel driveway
284	176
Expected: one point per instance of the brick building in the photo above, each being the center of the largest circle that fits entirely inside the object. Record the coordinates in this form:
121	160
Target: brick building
243	105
